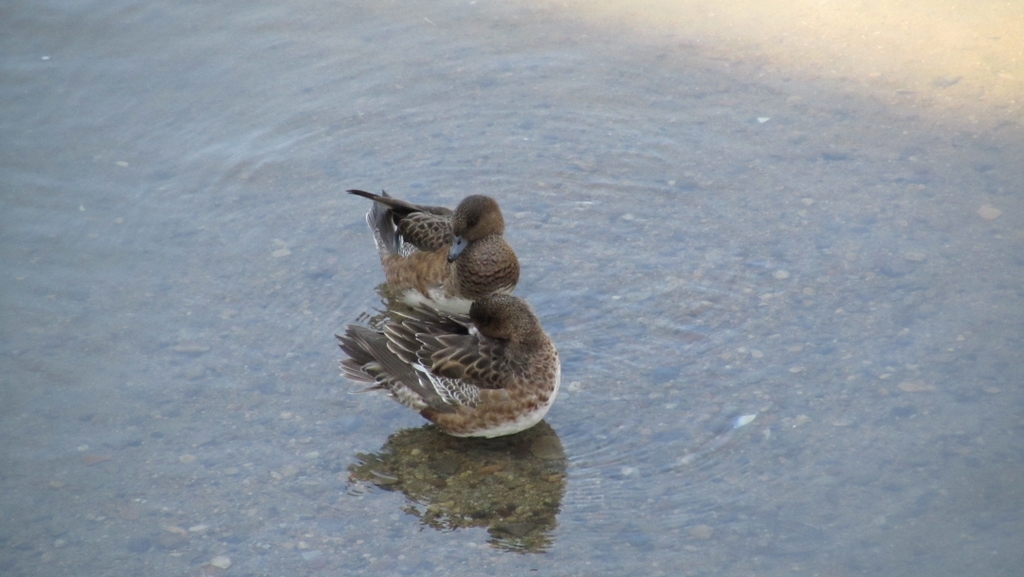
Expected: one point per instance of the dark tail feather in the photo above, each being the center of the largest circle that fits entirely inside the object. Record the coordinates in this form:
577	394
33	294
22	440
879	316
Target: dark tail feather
399	206
368	195
369	355
354	344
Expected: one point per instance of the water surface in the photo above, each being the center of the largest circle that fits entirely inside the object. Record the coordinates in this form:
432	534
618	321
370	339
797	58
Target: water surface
709	233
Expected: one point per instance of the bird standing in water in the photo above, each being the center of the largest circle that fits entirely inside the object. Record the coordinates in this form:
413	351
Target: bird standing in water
441	258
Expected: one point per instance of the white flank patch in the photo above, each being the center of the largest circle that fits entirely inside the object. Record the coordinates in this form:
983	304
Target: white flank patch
525	421
436	301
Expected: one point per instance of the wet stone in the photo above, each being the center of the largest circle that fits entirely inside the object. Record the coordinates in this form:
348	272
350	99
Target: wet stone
130	512
989	212
702	532
94	458
172	541
139	544
916	387
445	466
266	387
220	562
664	374
130	443
190	348
636	539
902	412
489	470
517	529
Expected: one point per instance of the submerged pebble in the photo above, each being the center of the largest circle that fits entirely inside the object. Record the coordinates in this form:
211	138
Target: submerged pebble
190	348
989	212
915	387
744	420
139	544
311	555
172	541
220	562
702	532
94	458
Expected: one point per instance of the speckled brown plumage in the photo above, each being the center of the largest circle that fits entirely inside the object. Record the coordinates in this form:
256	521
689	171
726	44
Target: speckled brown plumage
491	373
449	258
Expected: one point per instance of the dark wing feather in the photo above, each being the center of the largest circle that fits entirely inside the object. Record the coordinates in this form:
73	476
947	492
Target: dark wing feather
404	334
472	358
428	228
432	321
442	343
427	231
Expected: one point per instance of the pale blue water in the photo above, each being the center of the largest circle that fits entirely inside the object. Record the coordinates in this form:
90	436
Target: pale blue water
177	252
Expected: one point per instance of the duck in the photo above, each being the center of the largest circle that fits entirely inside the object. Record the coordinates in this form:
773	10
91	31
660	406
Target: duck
489	373
440	258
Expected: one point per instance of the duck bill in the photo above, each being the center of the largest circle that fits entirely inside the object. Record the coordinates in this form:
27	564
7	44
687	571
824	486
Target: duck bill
458	246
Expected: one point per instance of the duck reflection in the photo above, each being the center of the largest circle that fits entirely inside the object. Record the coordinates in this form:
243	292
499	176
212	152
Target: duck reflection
379	316
511	485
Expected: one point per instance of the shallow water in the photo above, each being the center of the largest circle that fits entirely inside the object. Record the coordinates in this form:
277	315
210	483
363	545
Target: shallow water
708	233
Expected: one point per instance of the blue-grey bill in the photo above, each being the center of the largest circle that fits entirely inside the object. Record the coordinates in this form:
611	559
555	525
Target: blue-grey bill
458	246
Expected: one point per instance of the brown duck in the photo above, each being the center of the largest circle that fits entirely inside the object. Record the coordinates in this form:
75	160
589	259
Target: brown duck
490	373
441	258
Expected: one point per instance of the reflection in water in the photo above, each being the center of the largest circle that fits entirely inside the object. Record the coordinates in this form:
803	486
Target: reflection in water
511	485
378	317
